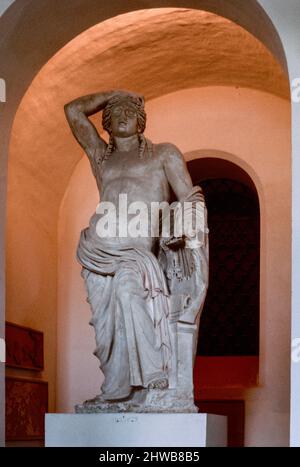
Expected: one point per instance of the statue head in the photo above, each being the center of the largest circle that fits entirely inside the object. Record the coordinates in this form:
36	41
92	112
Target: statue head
123	116
121	109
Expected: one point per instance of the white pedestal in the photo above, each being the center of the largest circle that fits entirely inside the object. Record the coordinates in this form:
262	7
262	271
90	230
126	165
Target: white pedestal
135	430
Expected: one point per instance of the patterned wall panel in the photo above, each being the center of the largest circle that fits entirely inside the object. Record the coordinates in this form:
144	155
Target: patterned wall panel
24	347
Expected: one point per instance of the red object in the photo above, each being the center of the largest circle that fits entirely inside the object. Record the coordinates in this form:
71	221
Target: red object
24	347
219	384
26	406
225	372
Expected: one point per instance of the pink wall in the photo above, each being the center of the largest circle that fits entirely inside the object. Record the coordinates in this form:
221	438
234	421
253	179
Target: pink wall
31	275
78	373
254	129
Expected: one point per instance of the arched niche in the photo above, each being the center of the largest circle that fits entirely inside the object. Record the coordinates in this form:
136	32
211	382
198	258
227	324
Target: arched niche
230	320
35	28
228	344
46	38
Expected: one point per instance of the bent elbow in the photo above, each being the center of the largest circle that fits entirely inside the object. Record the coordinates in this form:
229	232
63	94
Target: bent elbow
68	108
71	112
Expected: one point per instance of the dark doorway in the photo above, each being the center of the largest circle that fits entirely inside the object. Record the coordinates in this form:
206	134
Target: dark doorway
230	320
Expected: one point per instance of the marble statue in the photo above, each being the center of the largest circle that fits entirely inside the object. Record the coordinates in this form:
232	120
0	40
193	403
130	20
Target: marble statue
146	288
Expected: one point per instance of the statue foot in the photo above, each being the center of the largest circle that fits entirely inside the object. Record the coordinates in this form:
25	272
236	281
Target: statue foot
95	400
159	384
100	399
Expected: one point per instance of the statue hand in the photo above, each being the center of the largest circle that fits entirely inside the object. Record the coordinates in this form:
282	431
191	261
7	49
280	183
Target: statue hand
175	243
123	94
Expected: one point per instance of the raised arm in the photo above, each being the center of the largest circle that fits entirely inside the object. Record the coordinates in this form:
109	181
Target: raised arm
176	171
77	113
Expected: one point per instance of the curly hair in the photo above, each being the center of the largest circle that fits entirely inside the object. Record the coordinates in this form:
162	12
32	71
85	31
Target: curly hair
137	103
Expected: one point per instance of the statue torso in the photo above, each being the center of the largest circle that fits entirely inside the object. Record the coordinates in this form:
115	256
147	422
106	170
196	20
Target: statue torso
141	179
137	180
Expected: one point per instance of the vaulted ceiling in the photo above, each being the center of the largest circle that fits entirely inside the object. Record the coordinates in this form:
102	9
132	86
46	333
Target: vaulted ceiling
153	52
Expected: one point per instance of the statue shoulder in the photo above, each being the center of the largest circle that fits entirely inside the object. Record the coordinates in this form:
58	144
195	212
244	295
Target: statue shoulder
167	150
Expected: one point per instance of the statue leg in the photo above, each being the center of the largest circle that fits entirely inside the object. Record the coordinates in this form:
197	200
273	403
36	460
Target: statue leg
127	340
111	343
146	362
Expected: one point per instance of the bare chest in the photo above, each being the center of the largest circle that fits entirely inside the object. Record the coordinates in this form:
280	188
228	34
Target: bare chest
139	178
130	166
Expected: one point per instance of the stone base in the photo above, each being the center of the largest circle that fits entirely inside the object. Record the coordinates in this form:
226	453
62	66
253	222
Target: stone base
135	430
144	401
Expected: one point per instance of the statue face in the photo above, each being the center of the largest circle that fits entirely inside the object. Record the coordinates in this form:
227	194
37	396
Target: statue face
124	121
